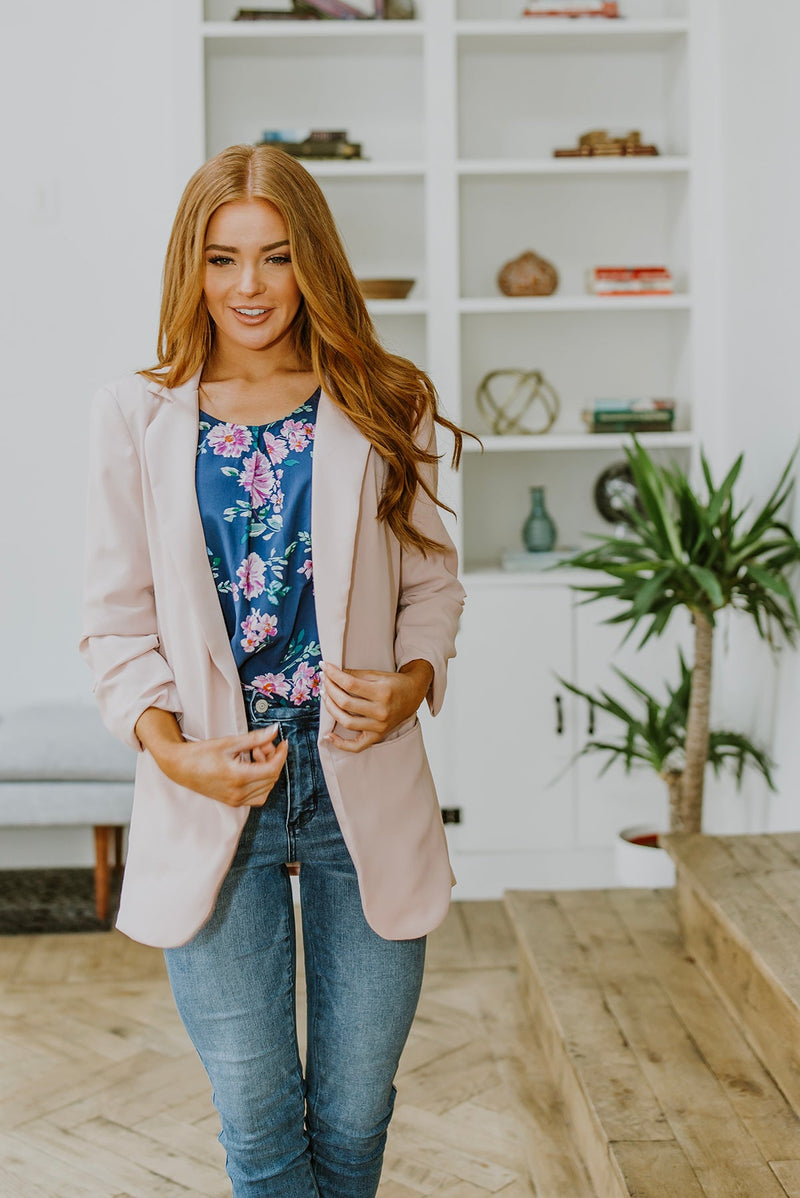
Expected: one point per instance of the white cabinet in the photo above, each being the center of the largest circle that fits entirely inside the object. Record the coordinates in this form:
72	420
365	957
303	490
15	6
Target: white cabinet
513	720
532	812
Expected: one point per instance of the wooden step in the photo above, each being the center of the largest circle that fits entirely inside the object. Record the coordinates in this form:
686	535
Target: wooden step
665	1097
739	904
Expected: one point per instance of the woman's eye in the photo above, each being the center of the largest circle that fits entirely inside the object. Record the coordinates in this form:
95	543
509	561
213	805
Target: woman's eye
219	260
278	260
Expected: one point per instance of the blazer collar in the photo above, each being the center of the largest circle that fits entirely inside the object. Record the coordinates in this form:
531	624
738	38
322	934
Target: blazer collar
339	463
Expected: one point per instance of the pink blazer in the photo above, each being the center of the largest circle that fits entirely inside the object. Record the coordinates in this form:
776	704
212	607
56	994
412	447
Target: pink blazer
153	634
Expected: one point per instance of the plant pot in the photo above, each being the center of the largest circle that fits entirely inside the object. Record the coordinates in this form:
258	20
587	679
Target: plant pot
638	861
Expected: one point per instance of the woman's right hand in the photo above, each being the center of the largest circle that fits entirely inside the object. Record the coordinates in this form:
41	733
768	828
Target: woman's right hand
216	768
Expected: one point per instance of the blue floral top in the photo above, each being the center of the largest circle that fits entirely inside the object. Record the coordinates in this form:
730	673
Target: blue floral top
254	494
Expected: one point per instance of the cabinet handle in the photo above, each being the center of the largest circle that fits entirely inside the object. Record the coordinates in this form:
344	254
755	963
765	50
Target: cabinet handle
590	725
559	716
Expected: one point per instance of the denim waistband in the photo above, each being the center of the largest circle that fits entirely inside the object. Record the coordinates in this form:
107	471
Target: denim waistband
261	711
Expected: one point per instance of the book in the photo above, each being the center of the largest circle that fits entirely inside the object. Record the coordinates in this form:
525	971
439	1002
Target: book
590	8
634	405
630	280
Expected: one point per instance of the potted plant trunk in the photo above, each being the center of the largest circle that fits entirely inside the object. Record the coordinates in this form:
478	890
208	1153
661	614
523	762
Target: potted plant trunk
698	552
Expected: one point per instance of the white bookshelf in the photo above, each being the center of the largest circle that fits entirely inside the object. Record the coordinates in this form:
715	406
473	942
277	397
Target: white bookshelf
458	114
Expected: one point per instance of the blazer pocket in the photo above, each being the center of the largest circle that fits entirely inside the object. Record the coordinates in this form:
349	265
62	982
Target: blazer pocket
405	728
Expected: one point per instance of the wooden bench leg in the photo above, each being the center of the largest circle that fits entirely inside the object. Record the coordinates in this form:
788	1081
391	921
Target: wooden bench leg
101	874
118	850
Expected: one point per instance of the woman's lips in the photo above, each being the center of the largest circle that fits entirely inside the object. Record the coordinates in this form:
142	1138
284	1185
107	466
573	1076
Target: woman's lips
252	315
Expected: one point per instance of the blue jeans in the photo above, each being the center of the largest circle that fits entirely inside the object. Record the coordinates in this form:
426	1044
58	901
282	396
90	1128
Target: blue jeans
287	1135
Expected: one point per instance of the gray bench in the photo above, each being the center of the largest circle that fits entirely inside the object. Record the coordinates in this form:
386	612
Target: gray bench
60	766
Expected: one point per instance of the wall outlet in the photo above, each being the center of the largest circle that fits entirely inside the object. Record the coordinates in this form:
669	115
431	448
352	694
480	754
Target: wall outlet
451	815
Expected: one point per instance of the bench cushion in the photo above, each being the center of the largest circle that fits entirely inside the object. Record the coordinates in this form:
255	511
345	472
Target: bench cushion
57	804
61	742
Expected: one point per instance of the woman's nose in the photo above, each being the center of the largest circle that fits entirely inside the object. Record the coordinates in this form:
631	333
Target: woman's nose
251	281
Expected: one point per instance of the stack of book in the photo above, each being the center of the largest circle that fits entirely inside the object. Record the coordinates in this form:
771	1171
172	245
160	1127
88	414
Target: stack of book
571	8
631	416
315	10
313	143
630	280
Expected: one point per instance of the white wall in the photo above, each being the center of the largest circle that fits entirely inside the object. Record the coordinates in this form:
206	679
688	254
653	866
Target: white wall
761	125
90	180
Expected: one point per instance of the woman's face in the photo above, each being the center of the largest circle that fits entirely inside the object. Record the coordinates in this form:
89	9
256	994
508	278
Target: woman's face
249	287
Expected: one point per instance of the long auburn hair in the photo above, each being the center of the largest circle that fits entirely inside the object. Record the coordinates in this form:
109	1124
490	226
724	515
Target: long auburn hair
387	397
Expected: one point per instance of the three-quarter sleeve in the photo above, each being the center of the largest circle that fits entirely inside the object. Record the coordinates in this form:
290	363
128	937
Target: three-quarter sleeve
431	596
119	638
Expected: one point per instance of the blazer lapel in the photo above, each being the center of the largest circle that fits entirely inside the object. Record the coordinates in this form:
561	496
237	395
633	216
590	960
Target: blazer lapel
340	460
339	463
170	451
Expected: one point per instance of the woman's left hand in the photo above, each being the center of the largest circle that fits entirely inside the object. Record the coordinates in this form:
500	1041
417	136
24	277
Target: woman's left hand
373	702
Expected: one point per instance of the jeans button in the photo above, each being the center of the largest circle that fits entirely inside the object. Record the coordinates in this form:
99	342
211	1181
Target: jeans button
261	705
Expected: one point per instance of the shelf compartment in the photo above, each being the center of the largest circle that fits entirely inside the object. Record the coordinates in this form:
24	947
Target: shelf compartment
575	223
496	495
495	305
382	224
516	108
584	359
251	84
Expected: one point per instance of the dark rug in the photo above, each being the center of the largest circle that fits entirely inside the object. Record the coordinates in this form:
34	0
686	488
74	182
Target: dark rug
52	900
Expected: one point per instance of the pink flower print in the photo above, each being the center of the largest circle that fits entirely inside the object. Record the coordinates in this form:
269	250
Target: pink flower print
229	440
303	673
257	628
257	478
251	576
249	641
300	692
275	447
295	434
306	568
266	625
308	429
276	495
315	685
272	684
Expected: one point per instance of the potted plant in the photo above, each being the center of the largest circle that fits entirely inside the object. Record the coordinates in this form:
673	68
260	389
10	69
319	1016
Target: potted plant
698	552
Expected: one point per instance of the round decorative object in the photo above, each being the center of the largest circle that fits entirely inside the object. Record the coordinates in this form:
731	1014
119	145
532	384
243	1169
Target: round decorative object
615	492
385	288
505	416
528	275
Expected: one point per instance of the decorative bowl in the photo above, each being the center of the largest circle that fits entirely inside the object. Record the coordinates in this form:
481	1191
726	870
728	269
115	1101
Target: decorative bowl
385	288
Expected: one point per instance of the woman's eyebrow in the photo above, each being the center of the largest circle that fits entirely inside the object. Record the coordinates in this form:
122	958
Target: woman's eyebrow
231	249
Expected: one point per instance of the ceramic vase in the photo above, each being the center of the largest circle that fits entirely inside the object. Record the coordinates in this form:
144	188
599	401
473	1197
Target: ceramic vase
538	531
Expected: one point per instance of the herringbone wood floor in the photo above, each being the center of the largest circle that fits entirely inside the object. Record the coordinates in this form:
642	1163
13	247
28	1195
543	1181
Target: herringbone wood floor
103	1096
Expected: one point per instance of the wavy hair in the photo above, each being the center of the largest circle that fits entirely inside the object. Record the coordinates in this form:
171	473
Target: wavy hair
389	399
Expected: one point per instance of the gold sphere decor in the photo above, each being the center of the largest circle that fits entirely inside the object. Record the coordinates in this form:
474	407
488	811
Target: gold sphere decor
529	388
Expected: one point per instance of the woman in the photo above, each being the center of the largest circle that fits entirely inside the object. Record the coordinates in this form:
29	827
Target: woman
265	644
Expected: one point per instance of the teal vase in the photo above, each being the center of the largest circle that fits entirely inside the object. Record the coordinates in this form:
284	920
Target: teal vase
539	532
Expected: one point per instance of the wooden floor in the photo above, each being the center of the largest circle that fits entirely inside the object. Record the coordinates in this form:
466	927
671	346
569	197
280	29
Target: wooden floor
103	1096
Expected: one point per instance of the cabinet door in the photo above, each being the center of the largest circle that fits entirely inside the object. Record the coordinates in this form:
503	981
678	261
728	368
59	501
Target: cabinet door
616	800
514	732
